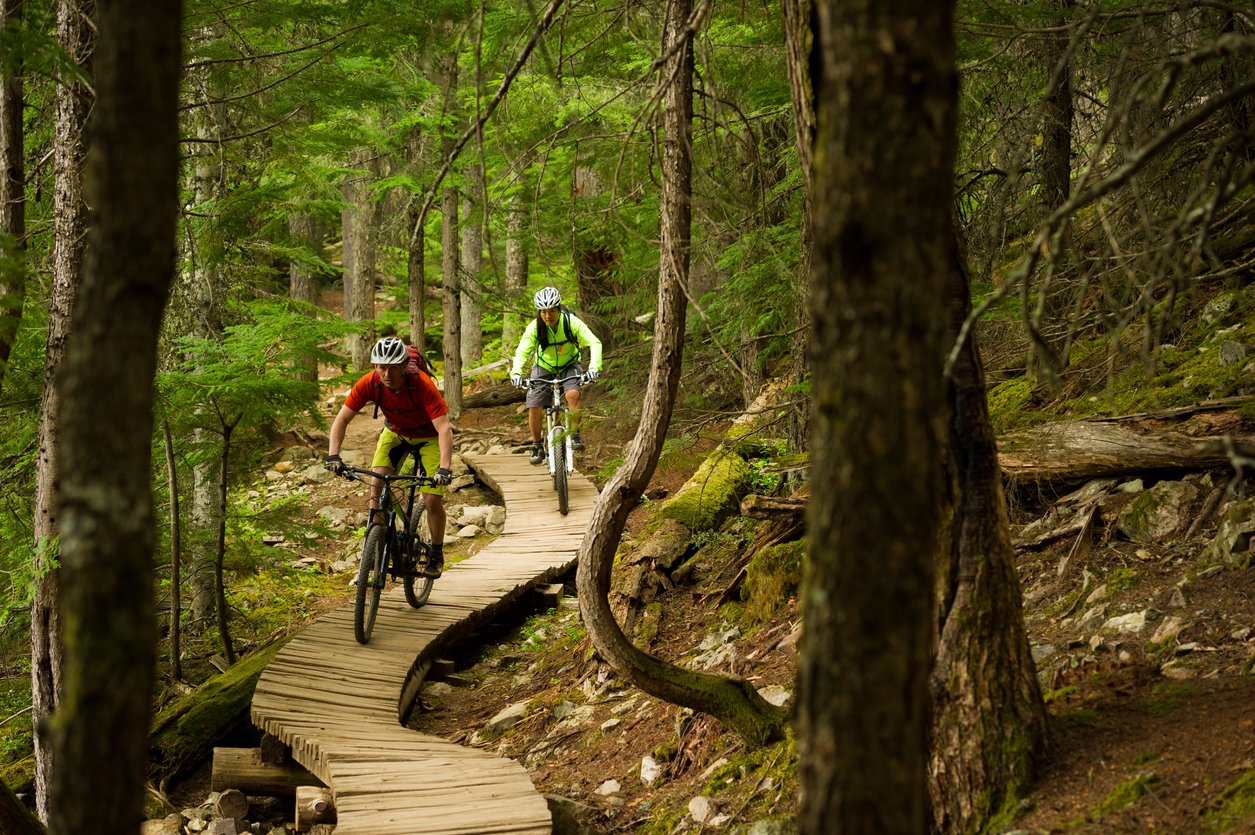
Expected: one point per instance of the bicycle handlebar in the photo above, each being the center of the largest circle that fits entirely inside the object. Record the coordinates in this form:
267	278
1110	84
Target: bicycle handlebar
537	383
356	473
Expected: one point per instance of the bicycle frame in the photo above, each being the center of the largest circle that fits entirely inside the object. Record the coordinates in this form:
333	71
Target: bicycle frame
555	426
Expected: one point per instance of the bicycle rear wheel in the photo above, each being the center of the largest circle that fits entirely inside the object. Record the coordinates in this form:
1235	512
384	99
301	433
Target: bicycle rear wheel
417	588
370	581
559	475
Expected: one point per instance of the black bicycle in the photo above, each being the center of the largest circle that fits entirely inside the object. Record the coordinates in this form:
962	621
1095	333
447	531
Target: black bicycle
557	438
389	550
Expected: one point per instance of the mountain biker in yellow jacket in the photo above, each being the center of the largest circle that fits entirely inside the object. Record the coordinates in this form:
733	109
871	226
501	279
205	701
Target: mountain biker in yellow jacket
554	339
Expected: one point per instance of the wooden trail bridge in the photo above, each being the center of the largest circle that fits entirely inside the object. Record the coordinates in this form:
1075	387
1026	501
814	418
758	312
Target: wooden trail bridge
340	705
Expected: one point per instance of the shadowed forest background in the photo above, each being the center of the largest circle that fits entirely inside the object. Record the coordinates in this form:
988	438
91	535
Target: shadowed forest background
949	263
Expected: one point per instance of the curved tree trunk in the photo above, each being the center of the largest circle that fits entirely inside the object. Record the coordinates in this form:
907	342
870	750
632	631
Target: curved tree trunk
16	819
734	702
989	721
72	102
109	526
885	92
12	191
452	307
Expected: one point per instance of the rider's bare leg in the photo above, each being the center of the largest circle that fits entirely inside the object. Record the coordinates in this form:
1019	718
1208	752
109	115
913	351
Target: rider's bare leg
435	517
573	403
534	420
376	488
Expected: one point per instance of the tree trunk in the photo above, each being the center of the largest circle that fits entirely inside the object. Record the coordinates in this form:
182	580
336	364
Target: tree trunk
361	220
417	284
452	337
472	314
516	267
16	819
220	546
596	264
206	292
884	91
1056	146
989	721
12	190
799	58
72	102
733	701
206	474
109	526
176	556
302	285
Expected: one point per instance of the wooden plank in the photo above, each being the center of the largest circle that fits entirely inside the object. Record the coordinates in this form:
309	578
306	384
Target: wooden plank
336	702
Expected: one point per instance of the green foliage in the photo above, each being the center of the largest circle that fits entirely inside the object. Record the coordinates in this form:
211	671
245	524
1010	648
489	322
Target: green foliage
1235	805
1126	794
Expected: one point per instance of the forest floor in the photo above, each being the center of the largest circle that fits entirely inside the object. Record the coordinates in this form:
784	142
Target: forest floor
1149	732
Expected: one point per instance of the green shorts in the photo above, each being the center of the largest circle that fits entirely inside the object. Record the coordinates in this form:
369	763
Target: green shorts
393	449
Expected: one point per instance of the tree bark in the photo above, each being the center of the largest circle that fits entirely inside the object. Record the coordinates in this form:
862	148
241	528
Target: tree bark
595	262
416	283
1056	148
884	91
989	721
472	313
206	292
12	190
220	545
360	219
108	520
72	102
302	285
733	701
800	56
16	819
176	556
516	267
452	307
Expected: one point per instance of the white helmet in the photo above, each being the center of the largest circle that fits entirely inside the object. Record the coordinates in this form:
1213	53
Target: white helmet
388	351
547	297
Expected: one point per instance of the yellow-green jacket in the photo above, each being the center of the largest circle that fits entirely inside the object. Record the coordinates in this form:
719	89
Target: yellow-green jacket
564	344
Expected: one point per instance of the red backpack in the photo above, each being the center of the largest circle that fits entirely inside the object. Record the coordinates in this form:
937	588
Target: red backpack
417	365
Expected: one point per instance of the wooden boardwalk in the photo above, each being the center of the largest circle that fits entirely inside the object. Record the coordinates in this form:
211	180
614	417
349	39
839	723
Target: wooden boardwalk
340	705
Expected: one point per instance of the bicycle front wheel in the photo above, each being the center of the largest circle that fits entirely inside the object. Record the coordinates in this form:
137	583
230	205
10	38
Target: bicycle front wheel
417	588
559	475
370	581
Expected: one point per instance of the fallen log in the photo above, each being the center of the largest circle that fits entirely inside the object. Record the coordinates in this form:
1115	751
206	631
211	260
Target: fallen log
184	733
502	395
1079	450
771	507
245	770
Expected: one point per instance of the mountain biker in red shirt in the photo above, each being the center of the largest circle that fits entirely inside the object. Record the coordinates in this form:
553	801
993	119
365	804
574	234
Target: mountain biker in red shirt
416	420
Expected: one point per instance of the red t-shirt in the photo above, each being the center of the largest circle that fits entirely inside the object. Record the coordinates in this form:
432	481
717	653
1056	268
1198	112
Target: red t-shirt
408	412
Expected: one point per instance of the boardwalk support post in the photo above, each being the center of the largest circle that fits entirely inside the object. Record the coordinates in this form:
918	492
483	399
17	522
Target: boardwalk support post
314	805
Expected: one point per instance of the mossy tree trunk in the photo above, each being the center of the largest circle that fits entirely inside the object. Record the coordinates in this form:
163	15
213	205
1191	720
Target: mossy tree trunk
108	521
989	721
734	702
16	819
885	90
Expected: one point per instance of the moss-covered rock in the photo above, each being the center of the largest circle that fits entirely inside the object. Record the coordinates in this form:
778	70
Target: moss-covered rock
771	578
1233	537
1158	512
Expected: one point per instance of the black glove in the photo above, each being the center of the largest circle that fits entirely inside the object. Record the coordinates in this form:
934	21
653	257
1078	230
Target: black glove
442	477
333	463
